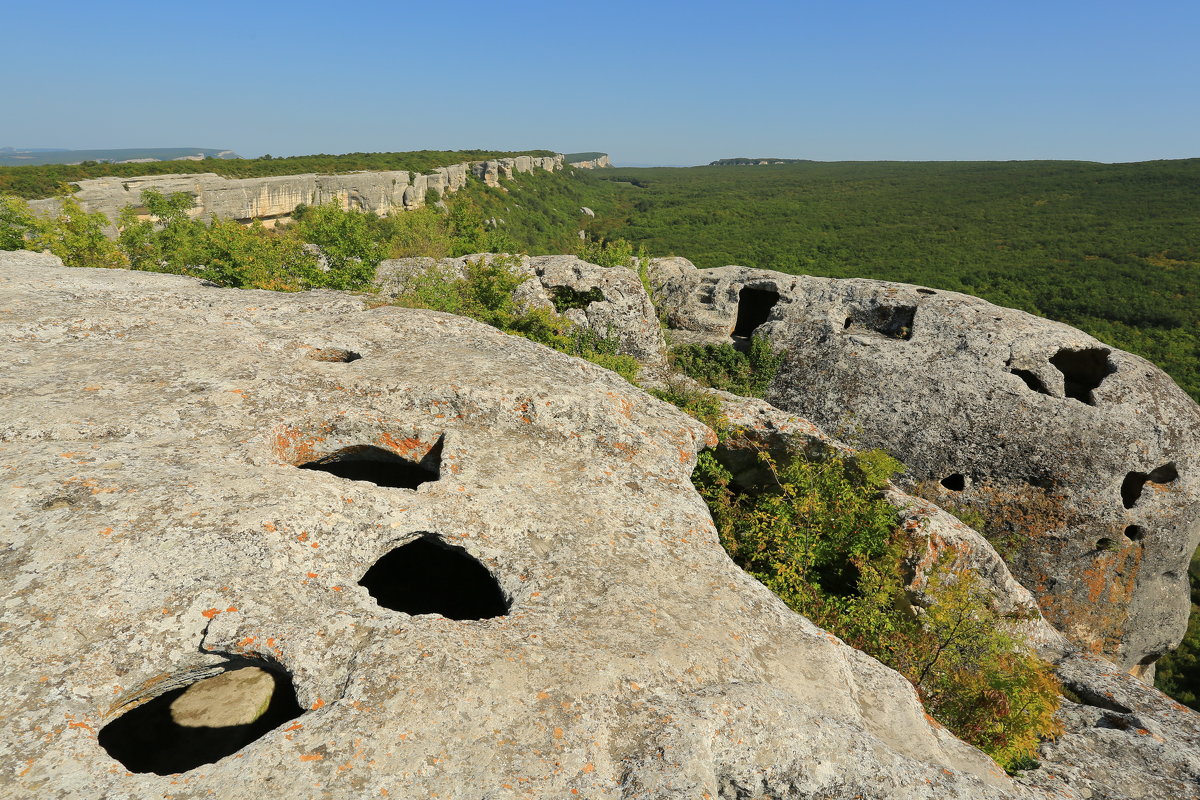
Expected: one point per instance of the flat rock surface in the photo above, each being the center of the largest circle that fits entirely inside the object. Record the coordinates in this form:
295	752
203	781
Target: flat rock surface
158	531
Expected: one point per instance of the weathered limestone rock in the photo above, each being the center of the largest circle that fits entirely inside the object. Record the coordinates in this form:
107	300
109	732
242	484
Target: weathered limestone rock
159	531
1086	459
275	198
1121	738
625	311
593	163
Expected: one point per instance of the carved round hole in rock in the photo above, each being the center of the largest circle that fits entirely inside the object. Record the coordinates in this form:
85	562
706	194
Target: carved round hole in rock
1135	533
380	467
334	354
955	483
428	576
201	723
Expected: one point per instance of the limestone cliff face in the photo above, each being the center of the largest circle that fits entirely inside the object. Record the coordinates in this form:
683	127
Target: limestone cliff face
594	163
275	198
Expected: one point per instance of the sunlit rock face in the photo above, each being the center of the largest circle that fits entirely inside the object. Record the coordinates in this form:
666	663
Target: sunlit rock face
273	199
1084	459
198	481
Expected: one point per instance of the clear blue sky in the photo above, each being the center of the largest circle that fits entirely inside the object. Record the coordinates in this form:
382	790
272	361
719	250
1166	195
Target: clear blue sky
649	82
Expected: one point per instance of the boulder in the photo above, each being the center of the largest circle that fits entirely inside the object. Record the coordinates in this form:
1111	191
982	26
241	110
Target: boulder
1120	738
1084	459
472	566
623	310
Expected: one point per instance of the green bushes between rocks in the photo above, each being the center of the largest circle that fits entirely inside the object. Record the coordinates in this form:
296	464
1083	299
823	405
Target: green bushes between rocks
823	538
485	293
724	367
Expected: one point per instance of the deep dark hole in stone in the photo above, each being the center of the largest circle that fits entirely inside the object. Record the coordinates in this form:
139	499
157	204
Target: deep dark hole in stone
149	739
380	467
1106	543
1031	380
427	576
894	322
334	354
1135	533
1135	482
1083	371
955	483
1088	696
754	307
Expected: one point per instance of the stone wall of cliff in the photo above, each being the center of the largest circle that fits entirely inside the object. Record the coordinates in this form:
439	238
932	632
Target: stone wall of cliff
273	199
593	163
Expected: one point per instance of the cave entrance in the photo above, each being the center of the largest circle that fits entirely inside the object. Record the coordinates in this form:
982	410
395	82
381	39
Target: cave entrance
1135	482
892	322
1083	371
428	576
203	722
754	307
380	467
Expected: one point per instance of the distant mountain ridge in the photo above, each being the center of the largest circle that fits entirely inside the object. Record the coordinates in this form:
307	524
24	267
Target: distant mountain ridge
23	156
756	162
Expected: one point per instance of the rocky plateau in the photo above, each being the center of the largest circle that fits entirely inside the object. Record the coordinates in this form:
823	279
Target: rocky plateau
274	491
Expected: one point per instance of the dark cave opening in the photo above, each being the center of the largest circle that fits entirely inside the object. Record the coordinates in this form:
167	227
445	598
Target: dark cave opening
428	576
203	722
892	322
754	307
1135	482
1083	371
380	467
956	482
1031	380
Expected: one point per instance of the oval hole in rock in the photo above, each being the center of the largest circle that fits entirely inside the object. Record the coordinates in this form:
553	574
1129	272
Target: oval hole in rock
1135	533
380	467
334	354
955	483
428	576
201	723
1106	543
1135	482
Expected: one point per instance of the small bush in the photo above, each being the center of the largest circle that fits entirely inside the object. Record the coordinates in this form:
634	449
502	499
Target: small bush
724	367
565	298
698	403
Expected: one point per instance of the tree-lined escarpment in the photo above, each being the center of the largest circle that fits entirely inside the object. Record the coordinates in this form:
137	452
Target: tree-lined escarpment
275	198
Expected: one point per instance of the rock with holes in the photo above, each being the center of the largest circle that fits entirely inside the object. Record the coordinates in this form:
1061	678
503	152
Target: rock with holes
1083	459
1120	737
609	301
471	566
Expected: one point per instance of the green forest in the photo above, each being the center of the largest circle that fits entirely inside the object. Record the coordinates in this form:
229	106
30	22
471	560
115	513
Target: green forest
1113	249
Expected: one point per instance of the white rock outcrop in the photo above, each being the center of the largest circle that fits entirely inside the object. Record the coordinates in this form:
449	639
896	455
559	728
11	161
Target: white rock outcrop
159	530
275	198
